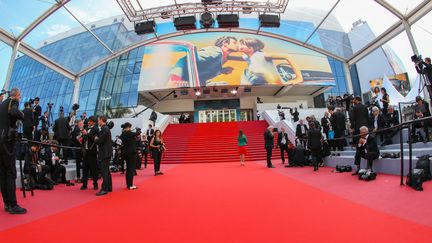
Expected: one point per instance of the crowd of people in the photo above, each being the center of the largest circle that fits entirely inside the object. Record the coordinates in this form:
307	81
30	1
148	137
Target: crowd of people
88	141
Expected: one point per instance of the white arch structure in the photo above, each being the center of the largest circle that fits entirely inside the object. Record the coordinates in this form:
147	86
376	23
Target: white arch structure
404	23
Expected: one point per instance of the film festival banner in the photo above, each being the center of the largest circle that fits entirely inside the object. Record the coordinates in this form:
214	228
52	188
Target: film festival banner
226	58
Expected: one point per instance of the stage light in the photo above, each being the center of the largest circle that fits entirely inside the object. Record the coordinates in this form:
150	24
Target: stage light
197	92
164	15
228	20
215	90
185	23
234	91
269	20
145	27
175	94
207	20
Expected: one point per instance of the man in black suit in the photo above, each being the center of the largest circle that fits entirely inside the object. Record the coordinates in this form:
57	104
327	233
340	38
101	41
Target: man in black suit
337	121
153	117
105	150
301	132
149	132
315	144
28	122
392	119
295	114
283	144
10	114
359	118
421	111
77	142
90	162
52	160
269	144
61	131
377	122
84	119
37	111
366	148
45	125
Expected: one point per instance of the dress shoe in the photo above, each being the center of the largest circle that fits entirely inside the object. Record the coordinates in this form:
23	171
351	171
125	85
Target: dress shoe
101	193
271	166
315	168
16	209
160	173
83	187
132	188
95	186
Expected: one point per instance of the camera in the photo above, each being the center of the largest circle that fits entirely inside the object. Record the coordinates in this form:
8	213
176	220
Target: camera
3	92
61	109
75	107
50	105
110	124
31	101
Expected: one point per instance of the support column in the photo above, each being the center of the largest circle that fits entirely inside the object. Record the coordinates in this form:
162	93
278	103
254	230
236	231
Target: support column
11	65
410	37
349	85
75	96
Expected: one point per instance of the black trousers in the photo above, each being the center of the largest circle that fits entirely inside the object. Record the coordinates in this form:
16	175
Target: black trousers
283	149
157	156
419	125
90	166
390	134
65	152
78	164
137	161
356	139
340	143
269	151
28	132
145	159
106	175
130	169
8	174
316	157
360	153
58	172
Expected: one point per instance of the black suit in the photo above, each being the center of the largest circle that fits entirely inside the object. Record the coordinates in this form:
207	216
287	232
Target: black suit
283	146
37	112
392	119
295	115
105	151
424	109
368	151
28	123
61	131
337	121
300	135
9	115
90	164
381	123
315	145
326	123
269	144
75	142
129	154
359	118
58	171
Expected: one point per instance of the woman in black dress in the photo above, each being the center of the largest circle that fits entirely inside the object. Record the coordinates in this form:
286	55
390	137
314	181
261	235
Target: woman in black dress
157	146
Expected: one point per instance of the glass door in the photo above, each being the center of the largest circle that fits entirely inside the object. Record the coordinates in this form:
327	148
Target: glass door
217	116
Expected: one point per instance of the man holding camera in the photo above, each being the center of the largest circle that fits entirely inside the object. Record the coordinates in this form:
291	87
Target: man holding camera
90	154
10	113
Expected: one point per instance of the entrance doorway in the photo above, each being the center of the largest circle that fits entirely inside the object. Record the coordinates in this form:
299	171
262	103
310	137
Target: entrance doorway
206	116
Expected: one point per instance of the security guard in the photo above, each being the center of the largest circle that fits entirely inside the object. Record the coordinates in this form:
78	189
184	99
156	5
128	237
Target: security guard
8	174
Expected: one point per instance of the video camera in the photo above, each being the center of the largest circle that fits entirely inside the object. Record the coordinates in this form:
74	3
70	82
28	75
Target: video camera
50	105
419	63
110	124
75	107
3	92
61	109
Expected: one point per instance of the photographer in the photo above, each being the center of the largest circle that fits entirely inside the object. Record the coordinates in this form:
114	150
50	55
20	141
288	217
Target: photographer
84	119
129	153
421	111
90	165
28	122
77	141
37	111
52	160
295	114
145	149
45	126
10	113
139	147
61	131
36	170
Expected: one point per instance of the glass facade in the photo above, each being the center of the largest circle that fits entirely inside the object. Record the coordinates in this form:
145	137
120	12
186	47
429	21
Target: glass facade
115	84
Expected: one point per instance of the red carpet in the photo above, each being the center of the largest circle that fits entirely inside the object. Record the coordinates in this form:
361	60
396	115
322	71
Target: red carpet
222	203
213	142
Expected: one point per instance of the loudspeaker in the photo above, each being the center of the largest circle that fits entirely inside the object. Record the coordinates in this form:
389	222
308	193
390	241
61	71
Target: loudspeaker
185	23
145	27
228	20
267	20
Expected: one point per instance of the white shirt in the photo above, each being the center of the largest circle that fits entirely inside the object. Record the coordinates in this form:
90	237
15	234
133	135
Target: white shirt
283	141
303	130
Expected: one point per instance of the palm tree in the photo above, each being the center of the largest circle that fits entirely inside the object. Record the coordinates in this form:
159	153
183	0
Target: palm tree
118	112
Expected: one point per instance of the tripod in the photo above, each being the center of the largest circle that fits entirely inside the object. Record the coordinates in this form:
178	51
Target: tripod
425	83
22	152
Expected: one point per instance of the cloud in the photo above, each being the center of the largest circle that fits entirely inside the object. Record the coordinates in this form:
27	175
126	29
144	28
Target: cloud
91	10
56	29
17	28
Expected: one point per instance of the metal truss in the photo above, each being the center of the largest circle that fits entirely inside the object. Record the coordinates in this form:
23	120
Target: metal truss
137	13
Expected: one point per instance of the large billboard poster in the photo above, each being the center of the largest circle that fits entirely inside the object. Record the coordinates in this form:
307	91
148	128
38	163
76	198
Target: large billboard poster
227	58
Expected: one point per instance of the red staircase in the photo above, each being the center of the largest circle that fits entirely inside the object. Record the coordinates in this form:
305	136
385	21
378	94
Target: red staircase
213	142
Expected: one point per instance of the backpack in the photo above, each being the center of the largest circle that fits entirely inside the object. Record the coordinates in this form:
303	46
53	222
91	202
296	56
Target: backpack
367	175
424	164
415	179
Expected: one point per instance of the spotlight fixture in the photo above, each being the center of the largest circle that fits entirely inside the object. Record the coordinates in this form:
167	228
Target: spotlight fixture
185	23
269	20
228	20
197	92
164	15
215	89
207	20
145	27
175	94
234	91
